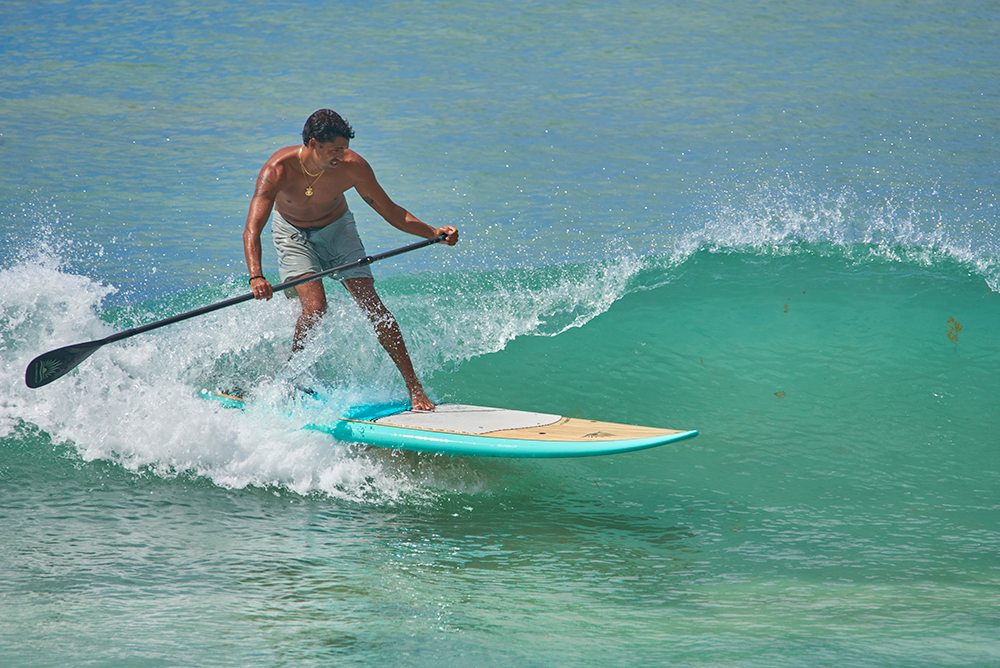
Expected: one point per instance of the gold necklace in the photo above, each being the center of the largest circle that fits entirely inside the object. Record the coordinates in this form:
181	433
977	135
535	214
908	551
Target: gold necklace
309	188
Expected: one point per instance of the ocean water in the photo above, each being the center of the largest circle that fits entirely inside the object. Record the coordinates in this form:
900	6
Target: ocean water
775	223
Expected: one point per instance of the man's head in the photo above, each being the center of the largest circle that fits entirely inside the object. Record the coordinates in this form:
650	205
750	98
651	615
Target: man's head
324	126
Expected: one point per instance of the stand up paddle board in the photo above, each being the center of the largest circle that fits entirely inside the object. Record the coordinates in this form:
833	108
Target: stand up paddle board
459	429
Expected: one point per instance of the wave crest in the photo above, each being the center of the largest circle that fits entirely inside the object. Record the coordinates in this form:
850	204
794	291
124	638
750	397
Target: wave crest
781	216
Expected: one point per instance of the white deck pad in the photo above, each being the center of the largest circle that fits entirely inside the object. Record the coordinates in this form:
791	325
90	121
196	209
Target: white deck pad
463	419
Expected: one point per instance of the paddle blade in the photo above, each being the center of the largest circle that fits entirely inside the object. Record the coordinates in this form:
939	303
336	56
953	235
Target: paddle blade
57	363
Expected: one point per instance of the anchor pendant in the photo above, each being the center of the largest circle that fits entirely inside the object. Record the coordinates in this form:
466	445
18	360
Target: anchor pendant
309	191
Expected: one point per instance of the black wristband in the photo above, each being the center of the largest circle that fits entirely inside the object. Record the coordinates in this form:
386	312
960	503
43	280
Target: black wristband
253	277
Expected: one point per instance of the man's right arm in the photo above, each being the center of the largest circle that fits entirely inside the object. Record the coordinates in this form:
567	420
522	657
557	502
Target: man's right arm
261	205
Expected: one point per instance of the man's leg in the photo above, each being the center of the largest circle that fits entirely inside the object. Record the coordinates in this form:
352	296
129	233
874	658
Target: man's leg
312	296
389	335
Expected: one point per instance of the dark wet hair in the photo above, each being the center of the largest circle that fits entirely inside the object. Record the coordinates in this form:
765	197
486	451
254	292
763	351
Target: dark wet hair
326	125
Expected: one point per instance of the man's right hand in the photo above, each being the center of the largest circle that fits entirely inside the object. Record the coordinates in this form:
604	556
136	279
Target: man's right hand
261	288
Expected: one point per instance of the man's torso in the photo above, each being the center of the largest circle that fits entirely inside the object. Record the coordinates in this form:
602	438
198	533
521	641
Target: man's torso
327	202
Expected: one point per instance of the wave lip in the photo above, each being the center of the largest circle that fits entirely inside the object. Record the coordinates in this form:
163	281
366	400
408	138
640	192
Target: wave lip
781	217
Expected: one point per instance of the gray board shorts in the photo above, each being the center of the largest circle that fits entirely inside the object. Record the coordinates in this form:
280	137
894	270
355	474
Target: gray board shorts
306	250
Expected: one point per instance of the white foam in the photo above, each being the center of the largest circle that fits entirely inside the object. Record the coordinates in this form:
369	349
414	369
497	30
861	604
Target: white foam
783	216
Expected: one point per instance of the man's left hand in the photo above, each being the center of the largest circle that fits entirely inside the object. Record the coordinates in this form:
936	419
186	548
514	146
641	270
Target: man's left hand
451	233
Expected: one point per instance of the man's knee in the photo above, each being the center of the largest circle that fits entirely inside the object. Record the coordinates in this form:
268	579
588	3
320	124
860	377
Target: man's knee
313	313
312	297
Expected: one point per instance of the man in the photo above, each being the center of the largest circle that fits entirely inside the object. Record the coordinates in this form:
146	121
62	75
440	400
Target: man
314	229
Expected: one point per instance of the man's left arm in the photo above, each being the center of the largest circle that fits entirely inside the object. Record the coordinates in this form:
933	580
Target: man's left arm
372	192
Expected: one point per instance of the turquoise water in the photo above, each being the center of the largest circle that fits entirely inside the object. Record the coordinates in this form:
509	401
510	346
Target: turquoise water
773	223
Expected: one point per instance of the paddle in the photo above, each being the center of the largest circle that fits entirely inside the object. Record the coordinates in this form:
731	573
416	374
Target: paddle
56	363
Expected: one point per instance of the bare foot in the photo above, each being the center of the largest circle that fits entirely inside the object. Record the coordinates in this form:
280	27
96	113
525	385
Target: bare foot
419	400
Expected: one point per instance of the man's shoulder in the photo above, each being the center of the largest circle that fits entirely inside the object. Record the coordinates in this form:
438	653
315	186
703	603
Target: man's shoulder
356	164
352	157
281	163
283	155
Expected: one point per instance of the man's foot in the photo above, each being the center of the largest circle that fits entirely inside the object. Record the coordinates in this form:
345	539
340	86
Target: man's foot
419	401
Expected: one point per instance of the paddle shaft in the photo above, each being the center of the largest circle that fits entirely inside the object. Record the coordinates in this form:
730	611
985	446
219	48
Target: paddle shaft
277	288
56	363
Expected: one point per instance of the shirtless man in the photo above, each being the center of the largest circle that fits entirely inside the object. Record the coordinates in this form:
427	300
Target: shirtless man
314	230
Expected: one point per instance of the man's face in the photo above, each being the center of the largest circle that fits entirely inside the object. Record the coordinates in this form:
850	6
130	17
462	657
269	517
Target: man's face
329	155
